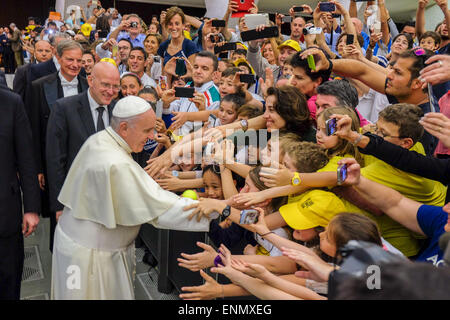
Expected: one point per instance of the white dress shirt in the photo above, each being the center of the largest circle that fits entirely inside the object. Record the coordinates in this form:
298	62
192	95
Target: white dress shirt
94	105
70	88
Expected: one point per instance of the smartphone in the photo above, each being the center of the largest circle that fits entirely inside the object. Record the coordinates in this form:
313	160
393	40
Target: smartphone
215	38
312	30
180	69
218	23
184	92
254	20
330	126
163	82
327	7
350	39
341	174
269	32
229	46
247	78
311	62
249	216
114	50
287	19
298	9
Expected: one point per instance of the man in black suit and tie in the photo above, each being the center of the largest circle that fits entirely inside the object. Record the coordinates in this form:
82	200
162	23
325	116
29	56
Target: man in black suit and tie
44	93
43	51
73	120
18	173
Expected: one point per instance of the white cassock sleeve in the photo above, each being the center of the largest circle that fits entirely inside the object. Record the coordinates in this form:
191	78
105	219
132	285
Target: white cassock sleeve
177	219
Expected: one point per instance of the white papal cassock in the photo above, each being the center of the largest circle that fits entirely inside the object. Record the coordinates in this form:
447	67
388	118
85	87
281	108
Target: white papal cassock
106	197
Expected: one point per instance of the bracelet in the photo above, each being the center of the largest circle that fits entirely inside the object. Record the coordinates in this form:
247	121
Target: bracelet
355	143
265	234
330	68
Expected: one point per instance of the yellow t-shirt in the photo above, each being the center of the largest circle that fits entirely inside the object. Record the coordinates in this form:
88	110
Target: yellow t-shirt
414	187
393	232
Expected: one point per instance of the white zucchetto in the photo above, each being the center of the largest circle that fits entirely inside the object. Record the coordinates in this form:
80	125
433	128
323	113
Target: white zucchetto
130	106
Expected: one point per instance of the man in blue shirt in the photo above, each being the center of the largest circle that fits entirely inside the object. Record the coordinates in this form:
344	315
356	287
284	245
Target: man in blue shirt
130	29
429	221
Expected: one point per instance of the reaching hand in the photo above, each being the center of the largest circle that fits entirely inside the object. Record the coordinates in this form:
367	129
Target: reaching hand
198	261
160	125
320	59
251	269
260	227
204	207
437	71
179	120
266	84
159	164
207	291
273	177
226	269
353	171
438	125
319	270
170	183
250	198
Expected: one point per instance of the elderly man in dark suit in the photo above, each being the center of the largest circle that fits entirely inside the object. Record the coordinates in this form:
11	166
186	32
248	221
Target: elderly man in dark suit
73	120
44	93
18	173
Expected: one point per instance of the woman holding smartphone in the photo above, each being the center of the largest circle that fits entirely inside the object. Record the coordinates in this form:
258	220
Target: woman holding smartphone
177	45
151	44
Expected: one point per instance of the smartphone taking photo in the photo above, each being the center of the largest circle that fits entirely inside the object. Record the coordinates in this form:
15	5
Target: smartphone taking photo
330	126
249	216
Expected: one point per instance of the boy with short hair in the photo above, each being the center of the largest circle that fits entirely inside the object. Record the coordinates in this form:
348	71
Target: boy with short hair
430	40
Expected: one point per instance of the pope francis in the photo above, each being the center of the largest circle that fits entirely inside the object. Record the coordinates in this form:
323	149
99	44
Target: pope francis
106	197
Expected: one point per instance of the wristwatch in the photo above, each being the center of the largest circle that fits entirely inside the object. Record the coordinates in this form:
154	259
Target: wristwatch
244	124
296	179
226	212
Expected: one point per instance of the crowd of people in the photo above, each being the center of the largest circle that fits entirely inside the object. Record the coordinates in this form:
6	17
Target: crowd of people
338	131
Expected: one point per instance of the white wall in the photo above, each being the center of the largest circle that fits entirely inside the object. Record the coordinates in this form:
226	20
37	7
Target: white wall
433	16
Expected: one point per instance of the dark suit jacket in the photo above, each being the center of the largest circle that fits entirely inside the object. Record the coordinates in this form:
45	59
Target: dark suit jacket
69	126
42	69
36	71
45	91
21	80
18	168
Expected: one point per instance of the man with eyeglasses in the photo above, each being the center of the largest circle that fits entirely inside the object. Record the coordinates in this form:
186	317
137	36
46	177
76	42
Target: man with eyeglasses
73	120
123	52
130	29
401	83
